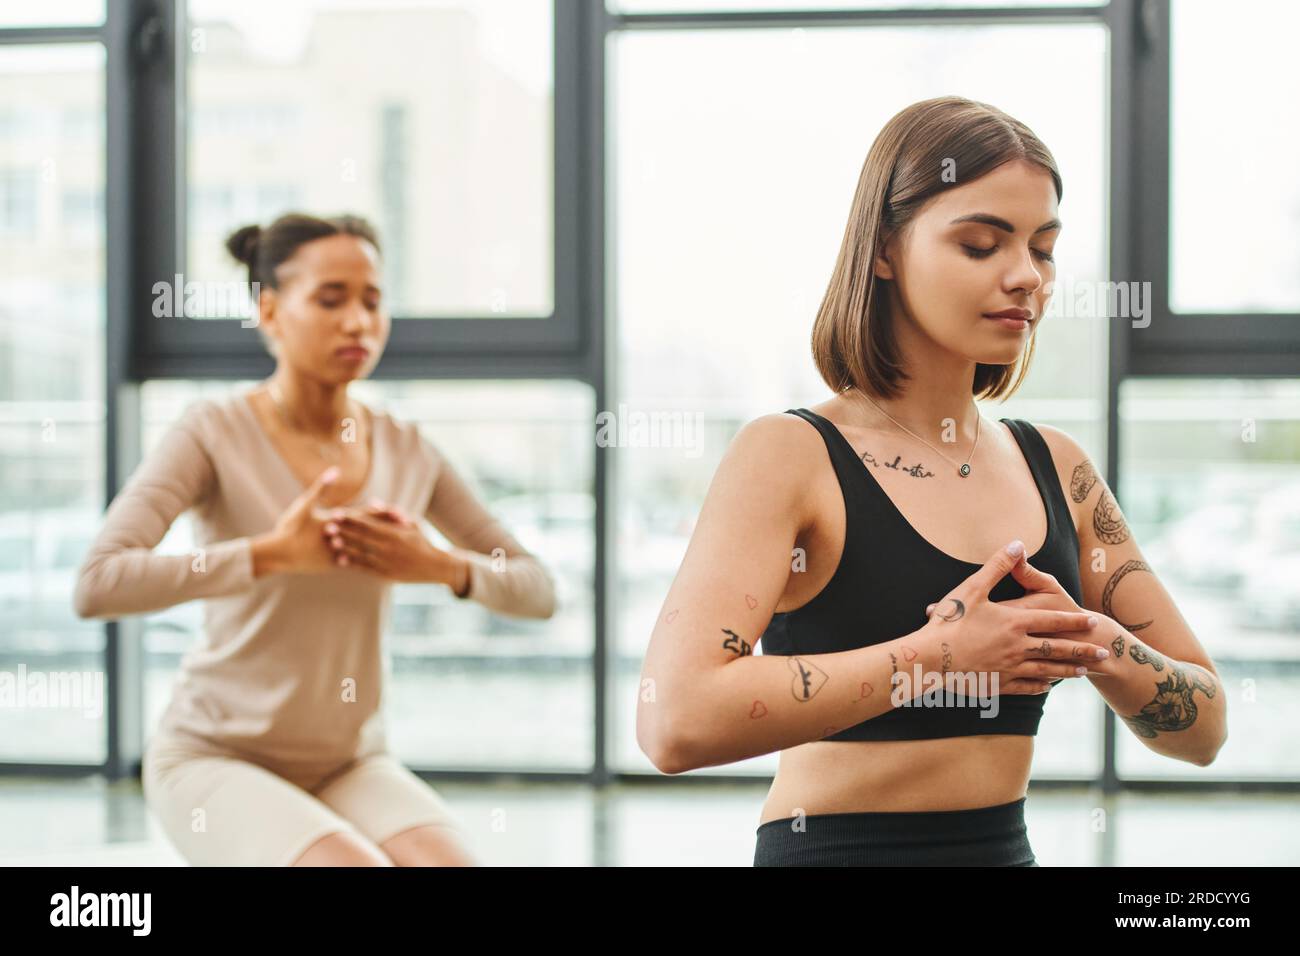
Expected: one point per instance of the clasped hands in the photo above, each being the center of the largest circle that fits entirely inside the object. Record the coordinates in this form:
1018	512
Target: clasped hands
384	540
1044	592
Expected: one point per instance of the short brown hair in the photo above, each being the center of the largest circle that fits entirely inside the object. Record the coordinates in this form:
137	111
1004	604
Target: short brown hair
852	341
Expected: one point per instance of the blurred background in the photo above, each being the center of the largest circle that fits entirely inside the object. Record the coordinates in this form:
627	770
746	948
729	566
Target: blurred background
635	208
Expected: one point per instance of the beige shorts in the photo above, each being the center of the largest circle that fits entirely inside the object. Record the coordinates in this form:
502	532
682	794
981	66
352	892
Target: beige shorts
222	810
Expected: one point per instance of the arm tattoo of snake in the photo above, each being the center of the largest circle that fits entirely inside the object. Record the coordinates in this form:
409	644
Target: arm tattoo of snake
1107	521
1174	705
1107	594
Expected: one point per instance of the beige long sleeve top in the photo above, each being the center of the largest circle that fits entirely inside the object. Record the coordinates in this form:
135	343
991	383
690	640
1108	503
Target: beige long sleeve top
290	669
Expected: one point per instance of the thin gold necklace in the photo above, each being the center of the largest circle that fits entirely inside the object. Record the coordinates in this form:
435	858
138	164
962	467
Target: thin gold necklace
964	468
327	449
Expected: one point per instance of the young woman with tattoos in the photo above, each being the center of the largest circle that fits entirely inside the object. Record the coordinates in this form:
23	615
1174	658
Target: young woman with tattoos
273	749
907	649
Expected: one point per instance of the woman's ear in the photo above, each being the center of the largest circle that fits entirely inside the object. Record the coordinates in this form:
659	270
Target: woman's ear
266	302
883	268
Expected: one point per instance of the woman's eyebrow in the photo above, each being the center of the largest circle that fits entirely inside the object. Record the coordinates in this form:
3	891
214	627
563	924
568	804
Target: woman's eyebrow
1000	223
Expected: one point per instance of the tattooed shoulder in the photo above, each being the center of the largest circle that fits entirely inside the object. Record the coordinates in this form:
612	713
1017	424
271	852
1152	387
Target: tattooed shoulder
1082	480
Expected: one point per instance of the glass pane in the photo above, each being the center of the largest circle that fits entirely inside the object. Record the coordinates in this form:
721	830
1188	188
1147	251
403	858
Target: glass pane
468	688
1225	143
432	119
1211	488
729	6
51	398
65	13
735	170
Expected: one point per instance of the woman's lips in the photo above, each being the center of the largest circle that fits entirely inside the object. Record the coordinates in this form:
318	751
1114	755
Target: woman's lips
354	353
1013	318
1018	325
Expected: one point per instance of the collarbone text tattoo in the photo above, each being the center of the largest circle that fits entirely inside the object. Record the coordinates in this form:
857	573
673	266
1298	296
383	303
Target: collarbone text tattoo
916	471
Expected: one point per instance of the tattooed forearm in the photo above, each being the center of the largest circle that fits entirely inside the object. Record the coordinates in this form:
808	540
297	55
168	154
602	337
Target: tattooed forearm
1144	655
736	644
1200	678
808	679
1174	706
1107	594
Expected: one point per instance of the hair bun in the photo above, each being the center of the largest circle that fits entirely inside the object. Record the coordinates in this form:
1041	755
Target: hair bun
242	243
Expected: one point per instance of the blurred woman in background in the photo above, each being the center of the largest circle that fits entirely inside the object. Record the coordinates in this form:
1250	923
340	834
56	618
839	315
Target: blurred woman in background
273	748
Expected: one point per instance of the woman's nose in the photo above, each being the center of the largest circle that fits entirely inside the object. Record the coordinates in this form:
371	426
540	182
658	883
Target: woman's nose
356	318
1025	276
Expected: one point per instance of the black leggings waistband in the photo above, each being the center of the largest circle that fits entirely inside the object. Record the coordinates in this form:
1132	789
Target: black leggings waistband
984	836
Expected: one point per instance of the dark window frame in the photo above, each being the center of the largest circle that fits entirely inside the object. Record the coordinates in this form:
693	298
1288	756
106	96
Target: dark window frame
1233	344
200	348
143	40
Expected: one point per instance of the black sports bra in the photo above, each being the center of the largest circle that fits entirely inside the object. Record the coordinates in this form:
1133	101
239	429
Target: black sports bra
888	573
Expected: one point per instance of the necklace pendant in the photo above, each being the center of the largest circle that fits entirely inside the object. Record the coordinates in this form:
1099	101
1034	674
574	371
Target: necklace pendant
964	470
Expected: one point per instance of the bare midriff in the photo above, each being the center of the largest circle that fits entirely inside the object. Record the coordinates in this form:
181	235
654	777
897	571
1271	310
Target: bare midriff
890	776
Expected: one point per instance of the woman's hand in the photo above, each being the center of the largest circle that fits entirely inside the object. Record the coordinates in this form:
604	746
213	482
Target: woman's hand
384	540
1026	645
294	544
1042	590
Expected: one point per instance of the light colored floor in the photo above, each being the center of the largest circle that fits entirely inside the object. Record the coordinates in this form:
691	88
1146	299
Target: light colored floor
89	822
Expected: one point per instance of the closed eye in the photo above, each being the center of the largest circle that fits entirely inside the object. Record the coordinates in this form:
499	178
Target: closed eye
977	253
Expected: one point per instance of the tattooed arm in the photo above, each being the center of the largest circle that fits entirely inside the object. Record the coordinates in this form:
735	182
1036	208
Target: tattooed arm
1163	684
704	698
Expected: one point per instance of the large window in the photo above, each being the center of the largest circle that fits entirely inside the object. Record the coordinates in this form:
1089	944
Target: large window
736	154
630	207
1211	489
52	680
1234	230
740	6
20	13
433	119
